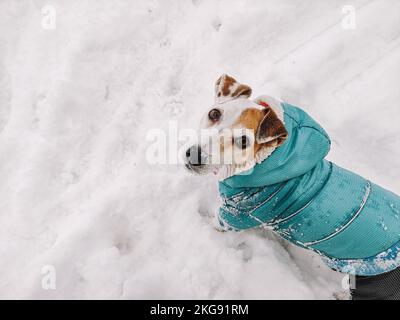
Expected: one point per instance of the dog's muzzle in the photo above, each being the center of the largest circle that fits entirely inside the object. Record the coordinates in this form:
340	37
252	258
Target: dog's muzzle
196	160
195	157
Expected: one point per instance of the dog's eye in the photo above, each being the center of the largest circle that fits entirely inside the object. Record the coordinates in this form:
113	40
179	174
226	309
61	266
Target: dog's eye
242	142
214	115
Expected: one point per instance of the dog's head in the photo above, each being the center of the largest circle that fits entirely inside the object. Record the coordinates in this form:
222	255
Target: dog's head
236	131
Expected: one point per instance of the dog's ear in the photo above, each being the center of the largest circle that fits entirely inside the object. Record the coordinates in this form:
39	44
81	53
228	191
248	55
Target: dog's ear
271	129
227	88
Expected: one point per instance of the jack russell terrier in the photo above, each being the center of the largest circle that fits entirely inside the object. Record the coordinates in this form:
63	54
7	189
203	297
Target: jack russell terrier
269	157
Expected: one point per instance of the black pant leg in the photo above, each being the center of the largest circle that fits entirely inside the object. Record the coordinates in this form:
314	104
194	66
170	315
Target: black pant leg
385	286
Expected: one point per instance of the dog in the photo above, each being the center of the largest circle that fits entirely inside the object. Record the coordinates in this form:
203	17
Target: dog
269	157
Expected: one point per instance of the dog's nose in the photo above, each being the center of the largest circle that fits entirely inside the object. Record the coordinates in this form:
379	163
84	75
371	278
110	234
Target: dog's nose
193	155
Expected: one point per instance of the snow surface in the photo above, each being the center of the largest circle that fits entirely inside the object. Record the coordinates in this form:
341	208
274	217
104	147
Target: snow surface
76	103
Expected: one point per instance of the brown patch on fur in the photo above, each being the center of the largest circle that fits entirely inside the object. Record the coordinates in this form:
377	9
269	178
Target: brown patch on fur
242	90
268	122
228	87
251	119
271	127
229	81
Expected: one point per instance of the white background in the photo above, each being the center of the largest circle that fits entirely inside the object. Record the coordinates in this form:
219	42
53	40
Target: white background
77	101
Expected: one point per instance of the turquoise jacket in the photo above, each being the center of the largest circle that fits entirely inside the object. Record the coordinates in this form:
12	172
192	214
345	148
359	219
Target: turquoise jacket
352	223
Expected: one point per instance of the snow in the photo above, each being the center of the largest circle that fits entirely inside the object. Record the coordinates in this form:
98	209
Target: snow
76	104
